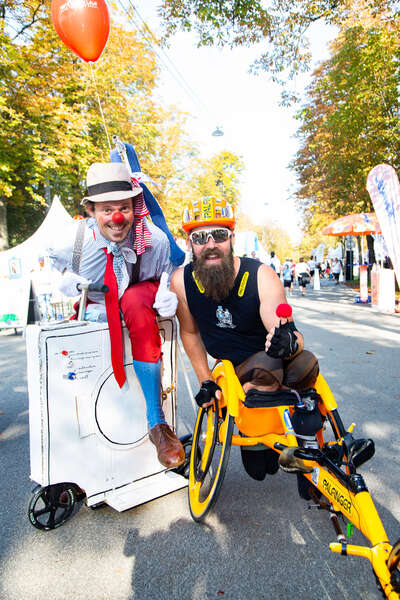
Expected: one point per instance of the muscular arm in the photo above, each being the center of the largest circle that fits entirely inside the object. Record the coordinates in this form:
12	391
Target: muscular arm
271	293
189	332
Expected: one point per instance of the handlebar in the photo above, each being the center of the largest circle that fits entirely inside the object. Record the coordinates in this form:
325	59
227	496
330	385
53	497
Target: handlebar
85	288
92	287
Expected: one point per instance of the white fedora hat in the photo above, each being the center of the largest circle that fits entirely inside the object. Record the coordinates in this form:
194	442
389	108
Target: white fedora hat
109	182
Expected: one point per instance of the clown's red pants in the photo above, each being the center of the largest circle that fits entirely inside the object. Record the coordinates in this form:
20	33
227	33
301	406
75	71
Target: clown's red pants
140	318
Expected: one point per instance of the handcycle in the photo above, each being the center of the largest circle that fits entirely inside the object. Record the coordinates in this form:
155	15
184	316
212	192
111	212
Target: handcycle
326	468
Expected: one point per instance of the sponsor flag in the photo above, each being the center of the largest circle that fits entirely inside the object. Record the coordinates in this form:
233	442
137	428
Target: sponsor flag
363	283
384	188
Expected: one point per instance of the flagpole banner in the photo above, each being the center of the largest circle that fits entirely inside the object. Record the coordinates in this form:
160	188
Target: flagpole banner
386	291
384	188
363	283
375	286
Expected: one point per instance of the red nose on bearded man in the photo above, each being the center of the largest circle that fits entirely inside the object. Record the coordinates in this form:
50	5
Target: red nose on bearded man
118	218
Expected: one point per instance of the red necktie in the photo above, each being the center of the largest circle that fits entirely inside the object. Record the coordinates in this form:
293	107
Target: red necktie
114	321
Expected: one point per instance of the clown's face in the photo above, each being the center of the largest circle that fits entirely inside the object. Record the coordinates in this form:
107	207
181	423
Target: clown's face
103	212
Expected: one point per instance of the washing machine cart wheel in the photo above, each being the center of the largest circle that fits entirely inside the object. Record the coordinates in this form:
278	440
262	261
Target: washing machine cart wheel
51	506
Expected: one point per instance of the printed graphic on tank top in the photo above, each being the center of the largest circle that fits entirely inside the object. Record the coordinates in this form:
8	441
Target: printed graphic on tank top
231	329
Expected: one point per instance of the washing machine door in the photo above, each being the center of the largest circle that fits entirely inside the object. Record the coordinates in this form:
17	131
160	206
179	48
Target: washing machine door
120	413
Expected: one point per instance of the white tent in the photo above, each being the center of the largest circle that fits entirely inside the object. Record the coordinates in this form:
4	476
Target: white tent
29	251
246	242
19	266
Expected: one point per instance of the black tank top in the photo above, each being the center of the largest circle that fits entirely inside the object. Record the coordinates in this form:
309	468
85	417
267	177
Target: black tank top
230	329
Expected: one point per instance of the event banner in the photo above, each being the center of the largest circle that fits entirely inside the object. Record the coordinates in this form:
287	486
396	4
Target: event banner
374	286
14	302
363	283
384	188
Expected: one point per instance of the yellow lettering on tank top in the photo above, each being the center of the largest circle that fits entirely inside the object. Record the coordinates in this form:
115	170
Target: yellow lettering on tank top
198	283
243	284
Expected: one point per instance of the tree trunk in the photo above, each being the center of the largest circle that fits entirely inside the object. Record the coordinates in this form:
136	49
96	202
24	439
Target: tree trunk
3	226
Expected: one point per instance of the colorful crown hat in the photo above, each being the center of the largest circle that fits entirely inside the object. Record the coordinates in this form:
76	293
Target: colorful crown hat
208	211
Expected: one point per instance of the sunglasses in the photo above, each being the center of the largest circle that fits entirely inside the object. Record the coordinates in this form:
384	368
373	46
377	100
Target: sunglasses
201	238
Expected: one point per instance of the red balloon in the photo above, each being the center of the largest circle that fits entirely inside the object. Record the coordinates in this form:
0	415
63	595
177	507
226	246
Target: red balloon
118	218
83	26
284	311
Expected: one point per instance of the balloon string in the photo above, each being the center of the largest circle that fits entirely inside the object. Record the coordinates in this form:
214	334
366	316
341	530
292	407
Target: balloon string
99	103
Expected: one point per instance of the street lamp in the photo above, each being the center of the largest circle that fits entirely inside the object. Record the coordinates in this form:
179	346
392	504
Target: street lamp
218	131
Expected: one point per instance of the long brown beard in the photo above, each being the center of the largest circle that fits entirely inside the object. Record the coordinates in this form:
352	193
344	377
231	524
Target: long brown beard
217	280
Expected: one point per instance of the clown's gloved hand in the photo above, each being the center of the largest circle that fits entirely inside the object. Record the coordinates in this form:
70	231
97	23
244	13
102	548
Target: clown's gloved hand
69	282
165	301
283	343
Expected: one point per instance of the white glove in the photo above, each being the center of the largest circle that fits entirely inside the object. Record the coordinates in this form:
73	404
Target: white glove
165	301
68	283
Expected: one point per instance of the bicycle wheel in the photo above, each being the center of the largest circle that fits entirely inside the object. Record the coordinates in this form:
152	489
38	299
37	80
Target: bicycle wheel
209	458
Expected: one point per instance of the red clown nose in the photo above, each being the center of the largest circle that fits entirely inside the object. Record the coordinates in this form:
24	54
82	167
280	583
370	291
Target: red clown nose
283	311
118	218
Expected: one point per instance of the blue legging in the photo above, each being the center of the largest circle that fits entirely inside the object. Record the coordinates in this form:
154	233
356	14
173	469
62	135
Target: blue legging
149	375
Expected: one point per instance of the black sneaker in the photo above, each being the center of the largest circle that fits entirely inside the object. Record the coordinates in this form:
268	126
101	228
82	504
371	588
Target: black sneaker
304	487
258	463
360	451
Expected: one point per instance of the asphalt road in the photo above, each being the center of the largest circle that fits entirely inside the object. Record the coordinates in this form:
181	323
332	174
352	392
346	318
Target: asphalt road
261	541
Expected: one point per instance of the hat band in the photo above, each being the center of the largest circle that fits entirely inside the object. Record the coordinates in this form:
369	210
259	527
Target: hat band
109	186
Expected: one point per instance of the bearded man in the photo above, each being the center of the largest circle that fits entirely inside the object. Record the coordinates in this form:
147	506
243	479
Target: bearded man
227	308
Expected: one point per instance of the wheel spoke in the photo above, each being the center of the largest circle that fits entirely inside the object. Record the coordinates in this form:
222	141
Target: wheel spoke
42	511
51	519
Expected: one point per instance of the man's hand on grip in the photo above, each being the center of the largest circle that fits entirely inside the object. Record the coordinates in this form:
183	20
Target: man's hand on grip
282	341
207	393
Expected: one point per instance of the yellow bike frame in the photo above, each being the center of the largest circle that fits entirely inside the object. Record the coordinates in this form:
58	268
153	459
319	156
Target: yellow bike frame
267	426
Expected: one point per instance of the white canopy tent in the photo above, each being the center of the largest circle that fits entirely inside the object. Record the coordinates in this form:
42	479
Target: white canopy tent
29	251
19	266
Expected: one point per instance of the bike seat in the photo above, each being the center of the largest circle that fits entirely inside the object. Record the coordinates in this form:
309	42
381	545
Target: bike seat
256	399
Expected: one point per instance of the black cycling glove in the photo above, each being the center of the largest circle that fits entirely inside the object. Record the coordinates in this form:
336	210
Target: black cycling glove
207	392
284	341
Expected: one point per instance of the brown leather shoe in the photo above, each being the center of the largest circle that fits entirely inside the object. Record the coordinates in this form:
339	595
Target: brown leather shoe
170	451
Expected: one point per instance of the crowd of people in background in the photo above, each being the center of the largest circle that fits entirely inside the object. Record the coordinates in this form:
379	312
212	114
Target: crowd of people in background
302	273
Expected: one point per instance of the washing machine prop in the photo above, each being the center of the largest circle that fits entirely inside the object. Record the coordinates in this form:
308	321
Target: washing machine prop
89	438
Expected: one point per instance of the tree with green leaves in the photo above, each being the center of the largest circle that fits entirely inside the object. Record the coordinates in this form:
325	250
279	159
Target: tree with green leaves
270	236
51	127
280	27
350	121
217	176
